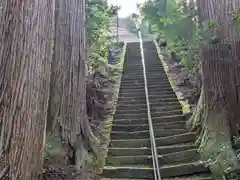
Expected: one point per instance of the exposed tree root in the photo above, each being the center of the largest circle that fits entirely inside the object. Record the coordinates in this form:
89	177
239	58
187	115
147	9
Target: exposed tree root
215	143
214	138
216	111
194	122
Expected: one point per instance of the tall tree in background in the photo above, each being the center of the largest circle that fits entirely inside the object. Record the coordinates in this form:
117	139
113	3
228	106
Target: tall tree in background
68	87
25	61
218	107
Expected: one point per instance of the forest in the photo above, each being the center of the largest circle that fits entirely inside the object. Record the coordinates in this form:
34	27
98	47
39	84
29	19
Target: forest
57	84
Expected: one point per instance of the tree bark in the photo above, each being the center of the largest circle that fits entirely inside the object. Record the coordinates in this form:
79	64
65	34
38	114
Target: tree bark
221	12
56	86
68	87
25	61
220	116
218	108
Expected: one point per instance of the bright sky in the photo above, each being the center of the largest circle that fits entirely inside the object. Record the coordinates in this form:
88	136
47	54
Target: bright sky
127	6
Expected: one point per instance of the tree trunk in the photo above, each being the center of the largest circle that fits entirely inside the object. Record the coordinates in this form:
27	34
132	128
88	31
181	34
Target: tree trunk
222	12
68	87
56	86
2	6
25	61
218	107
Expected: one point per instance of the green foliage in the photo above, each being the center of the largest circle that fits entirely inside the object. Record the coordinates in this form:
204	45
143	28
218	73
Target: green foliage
236	142
99	14
175	22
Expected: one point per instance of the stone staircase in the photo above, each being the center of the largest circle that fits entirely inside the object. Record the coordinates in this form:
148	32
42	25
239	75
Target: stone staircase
123	32
129	152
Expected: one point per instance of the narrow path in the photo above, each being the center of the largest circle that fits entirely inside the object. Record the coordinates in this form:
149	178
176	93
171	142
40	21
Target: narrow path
129	153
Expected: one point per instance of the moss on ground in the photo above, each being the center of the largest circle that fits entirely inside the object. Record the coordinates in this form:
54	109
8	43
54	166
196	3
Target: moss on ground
184	103
106	126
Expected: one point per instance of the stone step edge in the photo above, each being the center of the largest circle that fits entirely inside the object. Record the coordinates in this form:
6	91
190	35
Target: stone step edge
116	133
174	136
153	113
150	156
150	168
161	108
159	118
169	171
144	125
159	147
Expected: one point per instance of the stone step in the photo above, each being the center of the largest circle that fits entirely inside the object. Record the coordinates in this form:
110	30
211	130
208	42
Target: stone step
143	134
153	105
134	91
139	70
143	98
198	176
138	64
163	119
153	56
166	100
160	90
163	141
163	73
122	100
177	157
156	79
166	113
149	73
151	61
141	75
147	151
148	62
139	84
201	176
150	93
150	86
144	115
152	65
161	108
143	127
131	106
136	72
147	65
156	95
153	101
144	110
136	57
167	96
144	172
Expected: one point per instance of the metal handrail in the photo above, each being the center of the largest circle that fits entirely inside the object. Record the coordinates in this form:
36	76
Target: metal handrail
152	137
